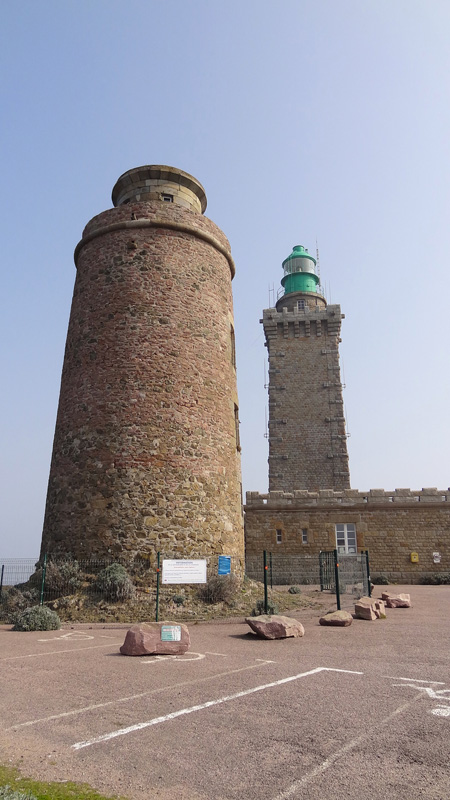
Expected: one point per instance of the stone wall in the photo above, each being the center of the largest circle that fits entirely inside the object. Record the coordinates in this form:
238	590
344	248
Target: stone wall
307	437
390	525
145	454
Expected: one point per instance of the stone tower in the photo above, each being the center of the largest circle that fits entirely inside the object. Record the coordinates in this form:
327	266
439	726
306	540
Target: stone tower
146	454
307	438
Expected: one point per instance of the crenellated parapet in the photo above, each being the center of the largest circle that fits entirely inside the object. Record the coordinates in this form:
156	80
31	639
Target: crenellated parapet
310	320
348	498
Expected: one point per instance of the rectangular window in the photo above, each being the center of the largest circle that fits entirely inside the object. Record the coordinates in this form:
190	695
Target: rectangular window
233	346
279	535
168	198
236	427
346	538
304	535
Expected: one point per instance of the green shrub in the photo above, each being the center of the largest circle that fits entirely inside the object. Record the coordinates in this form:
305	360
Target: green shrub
294	590
6	793
37	618
436	580
15	600
380	580
259	609
178	599
114	583
61	577
219	589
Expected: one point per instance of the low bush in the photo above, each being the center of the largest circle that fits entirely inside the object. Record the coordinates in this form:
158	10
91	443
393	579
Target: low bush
6	793
61	577
380	580
178	599
294	590
219	589
37	618
14	600
114	583
436	580
259	609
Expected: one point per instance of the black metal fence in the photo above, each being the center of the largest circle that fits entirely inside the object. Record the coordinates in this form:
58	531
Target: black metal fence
345	576
148	589
160	586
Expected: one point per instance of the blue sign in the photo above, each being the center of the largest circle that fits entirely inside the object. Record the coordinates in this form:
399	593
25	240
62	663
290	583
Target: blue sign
224	565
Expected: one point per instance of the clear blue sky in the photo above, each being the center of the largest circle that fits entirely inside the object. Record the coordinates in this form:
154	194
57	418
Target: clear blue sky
304	120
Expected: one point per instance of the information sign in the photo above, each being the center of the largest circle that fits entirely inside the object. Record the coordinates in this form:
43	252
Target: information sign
183	571
224	565
171	633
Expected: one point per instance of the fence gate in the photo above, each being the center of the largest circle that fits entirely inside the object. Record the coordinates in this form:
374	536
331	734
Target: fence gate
352	569
327	565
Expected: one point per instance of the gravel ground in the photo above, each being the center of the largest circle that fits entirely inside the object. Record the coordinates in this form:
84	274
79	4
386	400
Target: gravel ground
340	713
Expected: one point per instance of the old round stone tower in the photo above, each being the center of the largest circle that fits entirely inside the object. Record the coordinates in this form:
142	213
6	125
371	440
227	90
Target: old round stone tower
146	454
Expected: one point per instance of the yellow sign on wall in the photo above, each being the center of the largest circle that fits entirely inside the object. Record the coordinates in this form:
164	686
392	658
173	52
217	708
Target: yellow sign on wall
415	558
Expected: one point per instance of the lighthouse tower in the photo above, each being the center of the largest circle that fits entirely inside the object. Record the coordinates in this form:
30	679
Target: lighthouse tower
307	437
146	454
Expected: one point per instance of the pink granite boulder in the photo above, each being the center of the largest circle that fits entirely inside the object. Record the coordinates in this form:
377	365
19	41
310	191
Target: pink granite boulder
274	626
156	638
339	619
396	600
365	609
380	609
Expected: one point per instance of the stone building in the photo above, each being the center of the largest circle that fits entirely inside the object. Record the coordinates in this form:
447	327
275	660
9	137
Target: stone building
146	453
310	506
307	438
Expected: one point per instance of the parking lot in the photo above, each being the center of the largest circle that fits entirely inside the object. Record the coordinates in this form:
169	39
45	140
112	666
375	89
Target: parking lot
341	713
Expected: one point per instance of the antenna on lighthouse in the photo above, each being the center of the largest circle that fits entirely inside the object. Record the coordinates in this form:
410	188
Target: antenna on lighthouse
318	264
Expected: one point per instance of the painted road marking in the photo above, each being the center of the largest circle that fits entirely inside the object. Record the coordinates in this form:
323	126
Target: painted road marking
74	637
174	658
86	709
310	776
201	706
208	653
58	652
414	680
442	711
443	695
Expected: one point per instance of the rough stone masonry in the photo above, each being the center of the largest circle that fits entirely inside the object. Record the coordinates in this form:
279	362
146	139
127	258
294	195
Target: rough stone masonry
146	453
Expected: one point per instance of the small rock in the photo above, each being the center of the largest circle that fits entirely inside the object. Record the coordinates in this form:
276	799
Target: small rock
156	638
380	609
340	619
273	626
396	600
365	609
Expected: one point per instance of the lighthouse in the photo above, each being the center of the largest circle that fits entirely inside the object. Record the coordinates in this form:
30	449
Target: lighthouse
307	435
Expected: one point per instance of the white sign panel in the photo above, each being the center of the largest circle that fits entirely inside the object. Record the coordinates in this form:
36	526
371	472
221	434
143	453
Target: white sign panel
174	571
437	558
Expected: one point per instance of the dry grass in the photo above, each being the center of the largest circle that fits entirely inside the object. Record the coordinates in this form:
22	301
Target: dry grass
184	604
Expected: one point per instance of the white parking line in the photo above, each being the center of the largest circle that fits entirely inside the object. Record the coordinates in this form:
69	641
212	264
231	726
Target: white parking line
414	680
57	652
305	779
209	704
85	709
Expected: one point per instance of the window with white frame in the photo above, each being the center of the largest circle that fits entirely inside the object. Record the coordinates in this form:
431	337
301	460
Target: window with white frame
304	535
279	535
346	538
